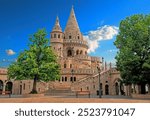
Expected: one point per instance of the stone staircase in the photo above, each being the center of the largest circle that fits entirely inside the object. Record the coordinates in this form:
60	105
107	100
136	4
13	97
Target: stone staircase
59	89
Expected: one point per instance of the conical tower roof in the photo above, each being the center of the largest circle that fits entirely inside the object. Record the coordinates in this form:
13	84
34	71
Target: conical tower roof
72	23
57	26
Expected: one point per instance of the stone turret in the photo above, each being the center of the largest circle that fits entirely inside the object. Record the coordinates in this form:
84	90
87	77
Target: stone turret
72	30
57	38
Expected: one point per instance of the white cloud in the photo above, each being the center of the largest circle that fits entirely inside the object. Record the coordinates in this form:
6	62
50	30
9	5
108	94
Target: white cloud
10	52
105	32
112	50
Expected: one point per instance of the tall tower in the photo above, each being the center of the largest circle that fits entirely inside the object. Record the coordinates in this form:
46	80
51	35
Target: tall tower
57	38
73	38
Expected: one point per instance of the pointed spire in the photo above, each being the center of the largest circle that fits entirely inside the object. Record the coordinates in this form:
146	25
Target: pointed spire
57	25
72	22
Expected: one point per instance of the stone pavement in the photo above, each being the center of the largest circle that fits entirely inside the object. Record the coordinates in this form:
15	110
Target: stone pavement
71	99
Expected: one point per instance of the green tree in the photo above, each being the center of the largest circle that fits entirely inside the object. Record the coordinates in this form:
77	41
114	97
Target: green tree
37	63
133	57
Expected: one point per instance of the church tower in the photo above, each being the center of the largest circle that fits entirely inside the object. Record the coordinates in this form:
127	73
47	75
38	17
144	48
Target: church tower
57	38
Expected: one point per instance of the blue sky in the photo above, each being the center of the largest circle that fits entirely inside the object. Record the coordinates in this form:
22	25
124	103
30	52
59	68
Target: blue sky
20	18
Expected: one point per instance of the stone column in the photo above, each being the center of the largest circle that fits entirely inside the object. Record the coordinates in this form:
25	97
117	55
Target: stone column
3	92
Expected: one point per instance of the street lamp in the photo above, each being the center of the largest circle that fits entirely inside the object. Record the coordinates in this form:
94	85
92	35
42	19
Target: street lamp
99	73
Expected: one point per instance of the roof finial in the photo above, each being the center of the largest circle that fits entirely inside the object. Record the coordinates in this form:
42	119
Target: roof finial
57	25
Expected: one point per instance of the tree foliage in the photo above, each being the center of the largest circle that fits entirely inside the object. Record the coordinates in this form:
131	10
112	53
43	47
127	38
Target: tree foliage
133	42
38	62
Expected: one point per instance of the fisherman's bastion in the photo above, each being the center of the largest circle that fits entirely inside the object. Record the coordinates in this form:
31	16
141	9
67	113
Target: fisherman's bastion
78	70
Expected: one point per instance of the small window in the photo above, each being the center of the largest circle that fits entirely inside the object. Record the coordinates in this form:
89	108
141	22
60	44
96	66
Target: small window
58	35
70	65
51	36
71	79
77	52
54	35
65	66
74	78
69	36
78	37
65	79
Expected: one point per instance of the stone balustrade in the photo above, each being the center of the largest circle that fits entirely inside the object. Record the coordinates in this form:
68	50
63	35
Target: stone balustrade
78	71
83	57
68	41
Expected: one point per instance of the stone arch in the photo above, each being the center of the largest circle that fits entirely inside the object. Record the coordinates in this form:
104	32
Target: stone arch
106	89
1	86
9	86
77	52
117	88
70	52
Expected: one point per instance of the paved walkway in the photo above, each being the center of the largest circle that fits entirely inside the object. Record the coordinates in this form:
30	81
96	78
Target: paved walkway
71	99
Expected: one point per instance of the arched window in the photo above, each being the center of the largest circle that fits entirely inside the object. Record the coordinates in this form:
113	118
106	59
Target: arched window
106	89
71	79
69	53
65	65
51	36
62	79
78	37
58	35
77	52
81	52
65	79
74	78
69	36
54	35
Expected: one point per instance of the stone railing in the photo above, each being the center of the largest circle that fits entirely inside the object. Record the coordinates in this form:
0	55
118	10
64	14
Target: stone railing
78	71
84	57
76	42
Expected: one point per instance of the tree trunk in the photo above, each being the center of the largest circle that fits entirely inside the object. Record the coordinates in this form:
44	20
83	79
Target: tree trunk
34	91
134	90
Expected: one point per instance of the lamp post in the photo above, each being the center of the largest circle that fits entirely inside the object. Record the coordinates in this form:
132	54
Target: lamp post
99	73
